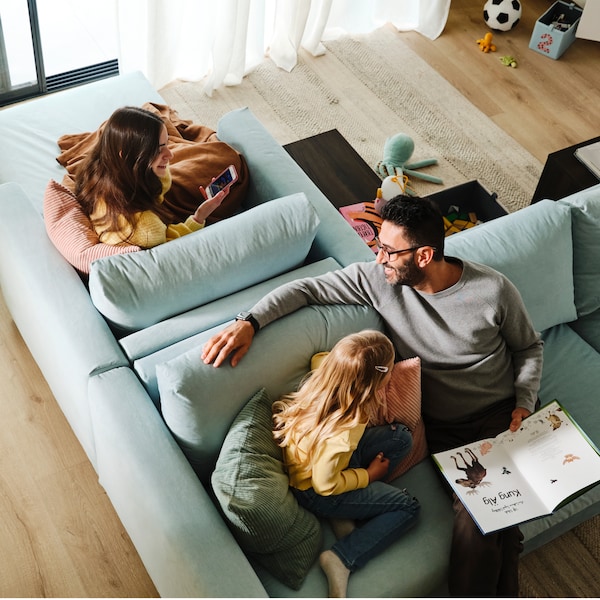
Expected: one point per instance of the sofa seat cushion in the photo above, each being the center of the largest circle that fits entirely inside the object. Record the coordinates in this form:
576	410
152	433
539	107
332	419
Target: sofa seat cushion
418	560
533	247
571	375
253	491
586	248
588	327
199	402
71	231
140	289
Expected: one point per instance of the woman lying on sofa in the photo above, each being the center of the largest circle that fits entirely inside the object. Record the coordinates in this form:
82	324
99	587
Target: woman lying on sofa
195	156
122	183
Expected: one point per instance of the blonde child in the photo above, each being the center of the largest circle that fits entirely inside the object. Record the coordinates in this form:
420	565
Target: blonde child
335	463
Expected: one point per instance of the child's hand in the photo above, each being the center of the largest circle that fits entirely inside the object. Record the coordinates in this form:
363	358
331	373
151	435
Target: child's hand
209	205
378	468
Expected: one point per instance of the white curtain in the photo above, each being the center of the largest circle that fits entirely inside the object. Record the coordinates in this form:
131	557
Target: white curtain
225	39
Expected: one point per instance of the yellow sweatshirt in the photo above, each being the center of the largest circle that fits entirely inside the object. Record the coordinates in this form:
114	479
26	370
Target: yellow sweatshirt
149	230
329	473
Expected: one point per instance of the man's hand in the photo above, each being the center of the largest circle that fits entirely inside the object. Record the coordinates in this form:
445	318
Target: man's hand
235	338
378	468
517	417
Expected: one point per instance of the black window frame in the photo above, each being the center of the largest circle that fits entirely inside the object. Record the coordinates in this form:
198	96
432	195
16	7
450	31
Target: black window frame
53	83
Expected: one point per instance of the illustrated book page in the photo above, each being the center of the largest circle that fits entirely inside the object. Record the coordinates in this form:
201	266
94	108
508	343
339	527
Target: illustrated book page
516	477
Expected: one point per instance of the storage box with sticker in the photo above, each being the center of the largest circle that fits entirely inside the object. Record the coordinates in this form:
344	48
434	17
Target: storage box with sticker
555	30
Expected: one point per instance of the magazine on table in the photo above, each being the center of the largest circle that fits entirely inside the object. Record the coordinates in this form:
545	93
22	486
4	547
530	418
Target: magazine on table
365	220
590	156
523	475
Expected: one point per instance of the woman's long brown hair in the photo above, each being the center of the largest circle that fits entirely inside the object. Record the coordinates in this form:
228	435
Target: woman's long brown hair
118	169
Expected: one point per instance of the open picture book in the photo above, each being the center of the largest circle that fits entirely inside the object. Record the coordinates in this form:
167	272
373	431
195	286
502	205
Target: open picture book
520	476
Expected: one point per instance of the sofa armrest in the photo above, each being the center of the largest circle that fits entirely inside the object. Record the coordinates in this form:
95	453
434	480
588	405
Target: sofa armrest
180	535
52	309
274	173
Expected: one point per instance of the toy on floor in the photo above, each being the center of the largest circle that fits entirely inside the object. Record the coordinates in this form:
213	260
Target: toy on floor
508	61
485	43
391	186
502	15
456	220
397	150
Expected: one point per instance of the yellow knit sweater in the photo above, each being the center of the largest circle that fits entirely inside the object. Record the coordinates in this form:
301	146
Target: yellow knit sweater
149	230
329	473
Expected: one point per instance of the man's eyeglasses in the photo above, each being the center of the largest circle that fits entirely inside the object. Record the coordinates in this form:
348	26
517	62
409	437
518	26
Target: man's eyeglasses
387	253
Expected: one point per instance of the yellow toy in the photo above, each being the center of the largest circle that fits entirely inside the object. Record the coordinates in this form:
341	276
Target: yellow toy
485	43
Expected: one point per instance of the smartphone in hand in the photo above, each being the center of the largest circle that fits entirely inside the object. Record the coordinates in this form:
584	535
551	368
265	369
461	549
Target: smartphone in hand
227	178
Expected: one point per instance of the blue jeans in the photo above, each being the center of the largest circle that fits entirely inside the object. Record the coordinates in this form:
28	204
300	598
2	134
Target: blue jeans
387	511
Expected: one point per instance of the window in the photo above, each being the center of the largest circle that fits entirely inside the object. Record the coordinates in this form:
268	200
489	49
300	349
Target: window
47	45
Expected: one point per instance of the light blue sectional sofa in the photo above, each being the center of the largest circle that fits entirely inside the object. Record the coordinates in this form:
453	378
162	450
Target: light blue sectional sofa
122	356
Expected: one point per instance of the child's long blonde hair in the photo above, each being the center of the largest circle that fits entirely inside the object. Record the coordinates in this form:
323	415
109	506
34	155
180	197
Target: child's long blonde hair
339	395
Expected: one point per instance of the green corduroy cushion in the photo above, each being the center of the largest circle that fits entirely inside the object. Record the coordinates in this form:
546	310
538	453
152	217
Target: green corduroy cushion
253	491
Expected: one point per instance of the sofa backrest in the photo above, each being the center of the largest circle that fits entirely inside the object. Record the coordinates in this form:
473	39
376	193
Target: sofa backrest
199	402
140	289
585	208
533	247
30	130
168	339
274	173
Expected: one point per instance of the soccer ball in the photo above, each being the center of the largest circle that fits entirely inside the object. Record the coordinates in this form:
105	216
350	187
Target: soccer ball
502	14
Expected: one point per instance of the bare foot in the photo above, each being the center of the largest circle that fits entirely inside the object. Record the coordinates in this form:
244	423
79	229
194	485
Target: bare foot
336	572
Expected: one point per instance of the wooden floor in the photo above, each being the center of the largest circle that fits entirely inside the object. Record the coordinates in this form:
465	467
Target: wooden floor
544	104
60	535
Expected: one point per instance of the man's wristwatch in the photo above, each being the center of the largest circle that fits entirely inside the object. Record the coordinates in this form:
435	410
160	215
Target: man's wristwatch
246	316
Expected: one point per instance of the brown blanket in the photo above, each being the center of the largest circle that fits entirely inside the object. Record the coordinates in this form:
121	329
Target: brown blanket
198	156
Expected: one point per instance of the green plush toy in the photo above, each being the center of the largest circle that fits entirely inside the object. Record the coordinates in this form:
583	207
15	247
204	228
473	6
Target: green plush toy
397	150
508	61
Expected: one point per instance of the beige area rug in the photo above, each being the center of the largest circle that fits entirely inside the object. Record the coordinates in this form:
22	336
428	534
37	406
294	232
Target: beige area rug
370	87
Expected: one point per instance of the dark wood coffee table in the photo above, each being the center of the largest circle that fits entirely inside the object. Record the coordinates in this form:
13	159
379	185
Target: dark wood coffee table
345	178
564	174
335	168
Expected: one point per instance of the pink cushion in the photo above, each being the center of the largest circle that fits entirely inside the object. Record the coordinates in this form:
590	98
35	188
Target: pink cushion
403	394
71	231
403	405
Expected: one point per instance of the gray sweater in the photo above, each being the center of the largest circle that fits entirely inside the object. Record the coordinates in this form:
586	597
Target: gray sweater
475	339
